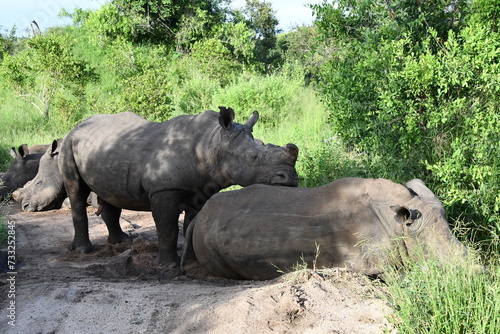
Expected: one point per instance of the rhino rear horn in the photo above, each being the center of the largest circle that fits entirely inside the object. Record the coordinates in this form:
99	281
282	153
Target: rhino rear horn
226	117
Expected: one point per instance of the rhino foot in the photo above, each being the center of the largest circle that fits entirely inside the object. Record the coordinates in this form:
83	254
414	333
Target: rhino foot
169	264
86	248
120	238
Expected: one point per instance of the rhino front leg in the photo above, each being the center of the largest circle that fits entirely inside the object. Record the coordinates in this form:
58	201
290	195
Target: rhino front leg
78	199
111	216
165	209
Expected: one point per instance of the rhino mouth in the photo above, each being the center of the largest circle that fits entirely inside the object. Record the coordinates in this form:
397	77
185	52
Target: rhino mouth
29	207
285	179
34	207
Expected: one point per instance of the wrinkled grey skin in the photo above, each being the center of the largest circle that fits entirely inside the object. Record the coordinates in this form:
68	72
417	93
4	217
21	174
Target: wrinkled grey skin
46	190
23	168
168	167
361	224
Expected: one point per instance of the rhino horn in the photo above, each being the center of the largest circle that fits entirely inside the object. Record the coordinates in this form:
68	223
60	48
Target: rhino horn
251	122
419	187
12	152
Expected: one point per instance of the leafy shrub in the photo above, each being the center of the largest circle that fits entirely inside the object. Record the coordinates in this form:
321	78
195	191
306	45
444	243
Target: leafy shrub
214	60
421	95
270	95
147	89
41	72
147	94
195	95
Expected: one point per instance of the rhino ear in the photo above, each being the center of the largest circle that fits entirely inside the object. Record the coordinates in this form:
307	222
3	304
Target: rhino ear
405	215
23	150
226	117
293	150
56	144
251	122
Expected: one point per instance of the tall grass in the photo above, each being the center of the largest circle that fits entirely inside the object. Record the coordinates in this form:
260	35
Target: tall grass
436	299
22	124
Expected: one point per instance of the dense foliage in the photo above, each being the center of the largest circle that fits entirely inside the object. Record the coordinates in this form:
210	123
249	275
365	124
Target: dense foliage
414	86
410	87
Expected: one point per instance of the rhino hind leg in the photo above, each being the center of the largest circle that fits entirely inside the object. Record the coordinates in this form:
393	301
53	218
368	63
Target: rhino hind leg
111	216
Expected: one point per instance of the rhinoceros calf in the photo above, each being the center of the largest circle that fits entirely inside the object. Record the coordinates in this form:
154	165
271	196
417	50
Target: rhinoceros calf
23	168
253	232
46	189
167	167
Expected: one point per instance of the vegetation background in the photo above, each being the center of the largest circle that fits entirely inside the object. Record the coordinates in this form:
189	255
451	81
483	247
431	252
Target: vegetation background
396	89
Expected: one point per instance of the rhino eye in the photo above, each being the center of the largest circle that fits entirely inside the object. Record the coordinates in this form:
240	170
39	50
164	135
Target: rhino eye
254	157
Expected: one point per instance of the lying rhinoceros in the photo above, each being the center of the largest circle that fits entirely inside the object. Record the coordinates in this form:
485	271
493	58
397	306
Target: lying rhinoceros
356	223
23	168
167	167
46	189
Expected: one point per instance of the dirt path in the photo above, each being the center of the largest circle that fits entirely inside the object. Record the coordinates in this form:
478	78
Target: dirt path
115	289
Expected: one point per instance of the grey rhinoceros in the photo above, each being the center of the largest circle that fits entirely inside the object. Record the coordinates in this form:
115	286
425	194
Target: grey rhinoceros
166	168
46	189
356	223
23	168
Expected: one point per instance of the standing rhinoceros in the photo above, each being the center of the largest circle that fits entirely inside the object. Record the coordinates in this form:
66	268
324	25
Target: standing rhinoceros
356	223
46	189
167	167
23	168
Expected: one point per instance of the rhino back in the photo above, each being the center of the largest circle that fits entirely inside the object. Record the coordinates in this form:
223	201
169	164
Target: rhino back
268	228
124	158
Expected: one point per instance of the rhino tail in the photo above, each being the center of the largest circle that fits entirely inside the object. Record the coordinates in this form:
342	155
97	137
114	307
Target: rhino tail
188	244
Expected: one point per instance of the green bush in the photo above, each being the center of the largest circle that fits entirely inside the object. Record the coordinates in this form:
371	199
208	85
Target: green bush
147	94
270	95
195	95
147	88
44	71
214	60
416	87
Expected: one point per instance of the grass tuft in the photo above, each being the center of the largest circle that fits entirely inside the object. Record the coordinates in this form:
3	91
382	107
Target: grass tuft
446	299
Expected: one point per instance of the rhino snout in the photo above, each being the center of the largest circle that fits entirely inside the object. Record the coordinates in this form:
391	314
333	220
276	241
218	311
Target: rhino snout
16	195
285	179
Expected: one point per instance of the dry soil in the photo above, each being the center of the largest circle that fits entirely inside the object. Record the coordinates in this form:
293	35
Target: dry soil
116	289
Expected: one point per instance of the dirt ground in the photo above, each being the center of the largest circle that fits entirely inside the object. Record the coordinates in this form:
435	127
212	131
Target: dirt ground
115	289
